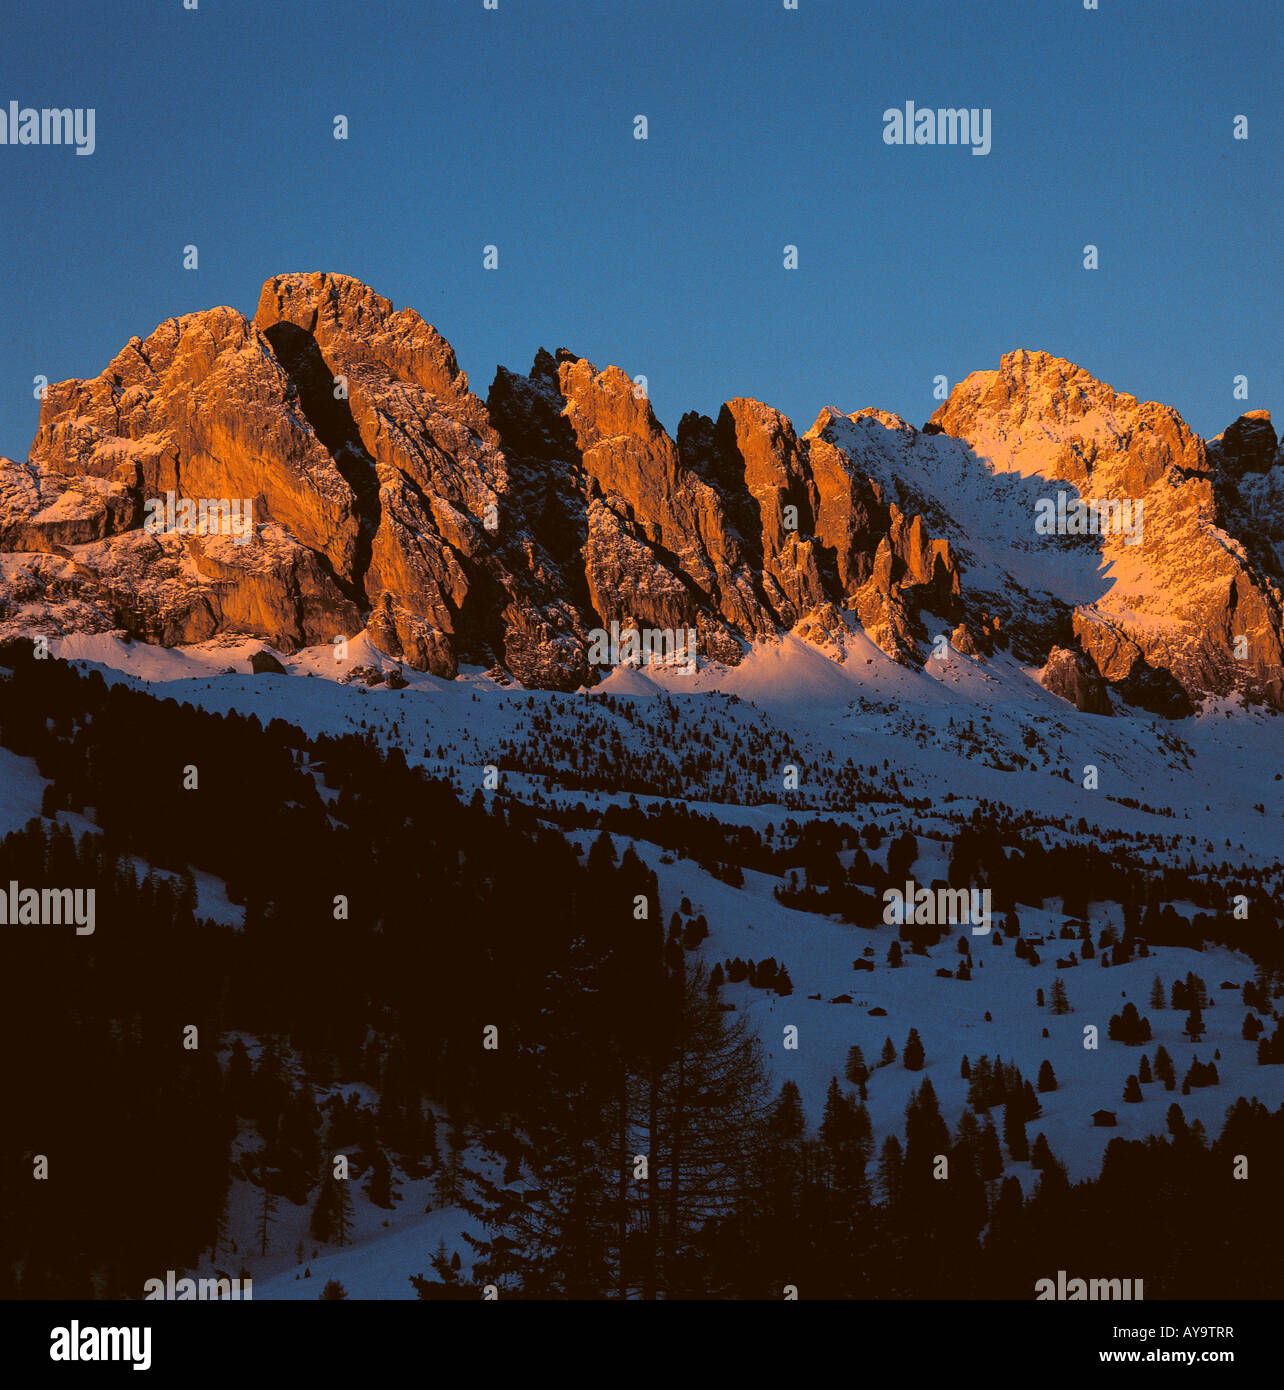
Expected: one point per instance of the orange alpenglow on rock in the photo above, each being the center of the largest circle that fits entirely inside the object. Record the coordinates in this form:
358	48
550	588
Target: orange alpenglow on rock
503	532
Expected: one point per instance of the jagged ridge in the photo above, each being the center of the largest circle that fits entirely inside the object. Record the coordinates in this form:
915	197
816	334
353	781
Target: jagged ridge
388	496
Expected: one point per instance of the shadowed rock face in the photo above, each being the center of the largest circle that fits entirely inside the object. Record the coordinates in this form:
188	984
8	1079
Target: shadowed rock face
502	533
1069	674
1247	446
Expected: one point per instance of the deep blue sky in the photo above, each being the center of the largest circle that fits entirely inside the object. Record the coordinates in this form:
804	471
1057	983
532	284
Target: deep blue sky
515	128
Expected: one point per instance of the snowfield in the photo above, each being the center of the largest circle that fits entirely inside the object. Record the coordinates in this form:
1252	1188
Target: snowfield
958	732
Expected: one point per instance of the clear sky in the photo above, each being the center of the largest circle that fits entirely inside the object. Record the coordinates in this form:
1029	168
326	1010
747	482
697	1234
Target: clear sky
515	127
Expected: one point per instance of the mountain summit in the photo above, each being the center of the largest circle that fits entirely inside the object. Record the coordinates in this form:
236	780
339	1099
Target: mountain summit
386	496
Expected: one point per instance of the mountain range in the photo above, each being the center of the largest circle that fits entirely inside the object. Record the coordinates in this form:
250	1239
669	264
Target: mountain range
454	531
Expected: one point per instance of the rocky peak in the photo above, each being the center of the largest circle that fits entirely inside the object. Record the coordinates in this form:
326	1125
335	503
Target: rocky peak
386	495
1247	446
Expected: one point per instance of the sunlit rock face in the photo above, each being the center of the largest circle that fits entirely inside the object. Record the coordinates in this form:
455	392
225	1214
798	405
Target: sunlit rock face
386	496
1184	597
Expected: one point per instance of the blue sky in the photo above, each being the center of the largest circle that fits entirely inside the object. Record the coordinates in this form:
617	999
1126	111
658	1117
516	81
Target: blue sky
515	128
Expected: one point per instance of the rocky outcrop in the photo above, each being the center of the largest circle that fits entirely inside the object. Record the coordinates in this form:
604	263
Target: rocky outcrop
263	663
1247	446
1072	676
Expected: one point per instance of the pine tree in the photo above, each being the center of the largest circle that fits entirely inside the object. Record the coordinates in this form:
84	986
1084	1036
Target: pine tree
1157	1000
888	1054
856	1071
430	1138
680	1081
1006	1221
891	1166
1014	1135
449	1184
894	957
1132	1091
1030	1107
342	1228
321	1223
912	1056
1041	1155
333	1290
1143	1071
1059	1004
188	899
448	1286
965	1068
1194	1028
980	1091
379	1184
1047	1078
991	1153
267	1219
1164	1068
846	1147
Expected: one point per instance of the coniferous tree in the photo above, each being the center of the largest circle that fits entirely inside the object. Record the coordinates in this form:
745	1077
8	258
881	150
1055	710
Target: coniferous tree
1047	1078
991	1152
266	1219
856	1071
448	1285
845	1143
321	1222
1014	1136
912	1055
341	1228
891	1165
448	1187
380	1182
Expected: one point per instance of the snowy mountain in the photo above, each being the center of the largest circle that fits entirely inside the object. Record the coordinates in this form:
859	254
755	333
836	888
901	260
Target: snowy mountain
388	498
1033	646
